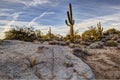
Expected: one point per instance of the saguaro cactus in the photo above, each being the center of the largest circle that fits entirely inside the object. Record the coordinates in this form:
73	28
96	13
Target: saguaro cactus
70	21
49	32
100	30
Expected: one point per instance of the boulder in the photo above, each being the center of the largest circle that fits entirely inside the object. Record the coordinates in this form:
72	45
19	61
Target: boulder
54	63
96	45
85	43
118	47
118	40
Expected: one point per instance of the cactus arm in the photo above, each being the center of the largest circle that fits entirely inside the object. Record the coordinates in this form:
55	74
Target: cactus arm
67	23
69	18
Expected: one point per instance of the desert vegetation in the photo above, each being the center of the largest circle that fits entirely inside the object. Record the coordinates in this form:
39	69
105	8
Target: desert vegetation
110	37
95	46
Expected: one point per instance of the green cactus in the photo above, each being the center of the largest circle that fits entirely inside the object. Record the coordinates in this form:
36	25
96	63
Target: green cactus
49	32
70	22
100	30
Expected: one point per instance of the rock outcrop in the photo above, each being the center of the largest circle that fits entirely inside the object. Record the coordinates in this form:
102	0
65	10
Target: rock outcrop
21	61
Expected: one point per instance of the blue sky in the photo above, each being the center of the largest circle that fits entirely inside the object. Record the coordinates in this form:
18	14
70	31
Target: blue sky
42	14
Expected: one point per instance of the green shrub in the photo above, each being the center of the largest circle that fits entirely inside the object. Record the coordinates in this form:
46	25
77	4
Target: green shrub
111	31
76	38
21	33
111	43
93	33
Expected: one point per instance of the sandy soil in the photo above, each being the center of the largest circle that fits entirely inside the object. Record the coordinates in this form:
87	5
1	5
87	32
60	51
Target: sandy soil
105	63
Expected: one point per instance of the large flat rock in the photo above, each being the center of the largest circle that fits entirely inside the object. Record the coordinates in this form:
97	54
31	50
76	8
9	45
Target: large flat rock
51	62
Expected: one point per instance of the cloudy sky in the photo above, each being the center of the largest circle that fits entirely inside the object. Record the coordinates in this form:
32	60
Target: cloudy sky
42	14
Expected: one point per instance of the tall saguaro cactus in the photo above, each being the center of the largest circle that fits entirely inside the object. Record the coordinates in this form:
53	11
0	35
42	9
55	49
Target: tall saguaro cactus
70	22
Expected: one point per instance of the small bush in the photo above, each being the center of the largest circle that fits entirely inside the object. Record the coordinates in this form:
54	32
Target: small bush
52	43
111	43
60	43
74	39
78	52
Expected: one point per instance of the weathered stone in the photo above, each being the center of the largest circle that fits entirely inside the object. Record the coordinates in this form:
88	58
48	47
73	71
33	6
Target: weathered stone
55	63
96	45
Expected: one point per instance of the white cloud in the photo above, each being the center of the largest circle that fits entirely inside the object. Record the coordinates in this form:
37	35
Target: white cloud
40	16
15	16
29	2
4	14
108	21
44	28
8	23
5	10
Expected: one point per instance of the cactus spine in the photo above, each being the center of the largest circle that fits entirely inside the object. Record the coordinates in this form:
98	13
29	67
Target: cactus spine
70	21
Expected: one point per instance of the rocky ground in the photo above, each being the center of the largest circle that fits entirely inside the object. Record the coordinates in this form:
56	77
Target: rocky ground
26	60
105	62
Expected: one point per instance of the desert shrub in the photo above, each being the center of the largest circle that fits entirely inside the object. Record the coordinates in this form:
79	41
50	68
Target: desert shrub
60	43
52	43
76	38
21	33
31	61
50	37
111	31
78	52
111	43
91	34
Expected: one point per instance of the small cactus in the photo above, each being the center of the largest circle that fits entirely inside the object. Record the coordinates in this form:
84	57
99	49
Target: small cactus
100	30
49	33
